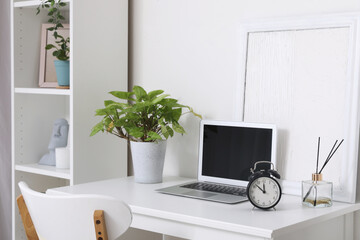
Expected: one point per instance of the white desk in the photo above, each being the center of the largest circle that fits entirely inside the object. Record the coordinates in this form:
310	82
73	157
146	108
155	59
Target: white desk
197	219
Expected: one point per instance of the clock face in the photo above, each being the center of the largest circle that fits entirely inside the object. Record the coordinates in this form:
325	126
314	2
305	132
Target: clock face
264	192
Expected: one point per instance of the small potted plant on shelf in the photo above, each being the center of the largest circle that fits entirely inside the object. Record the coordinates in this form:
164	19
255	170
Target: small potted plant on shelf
146	120
61	48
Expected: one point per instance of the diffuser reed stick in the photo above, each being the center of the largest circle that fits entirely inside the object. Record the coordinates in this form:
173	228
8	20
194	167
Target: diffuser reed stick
331	154
317	158
328	157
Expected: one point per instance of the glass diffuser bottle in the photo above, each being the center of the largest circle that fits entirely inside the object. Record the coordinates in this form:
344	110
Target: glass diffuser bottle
316	192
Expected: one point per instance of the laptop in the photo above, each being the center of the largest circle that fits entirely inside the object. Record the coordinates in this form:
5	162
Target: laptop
227	151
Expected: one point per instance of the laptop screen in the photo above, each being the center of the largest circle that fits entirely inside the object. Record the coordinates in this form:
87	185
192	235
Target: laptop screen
228	151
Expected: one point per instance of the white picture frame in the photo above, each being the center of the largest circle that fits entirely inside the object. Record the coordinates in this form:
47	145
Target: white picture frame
346	191
47	73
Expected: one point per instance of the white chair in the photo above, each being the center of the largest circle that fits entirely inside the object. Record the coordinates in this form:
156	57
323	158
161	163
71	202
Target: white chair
77	217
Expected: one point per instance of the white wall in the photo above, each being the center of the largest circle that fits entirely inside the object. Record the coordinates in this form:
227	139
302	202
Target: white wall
5	127
189	49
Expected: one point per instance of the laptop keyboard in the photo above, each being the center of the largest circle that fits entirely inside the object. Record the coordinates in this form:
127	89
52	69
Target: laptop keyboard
238	191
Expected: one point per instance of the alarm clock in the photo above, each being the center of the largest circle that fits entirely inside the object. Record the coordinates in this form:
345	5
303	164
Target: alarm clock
263	190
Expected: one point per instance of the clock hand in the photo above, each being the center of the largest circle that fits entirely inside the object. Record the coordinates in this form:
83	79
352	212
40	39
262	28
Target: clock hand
264	188
260	188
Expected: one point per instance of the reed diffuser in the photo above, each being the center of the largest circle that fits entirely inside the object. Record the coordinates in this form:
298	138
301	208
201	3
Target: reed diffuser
316	192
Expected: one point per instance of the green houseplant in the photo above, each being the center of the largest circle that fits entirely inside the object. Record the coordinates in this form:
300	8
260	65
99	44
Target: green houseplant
61	50
146	120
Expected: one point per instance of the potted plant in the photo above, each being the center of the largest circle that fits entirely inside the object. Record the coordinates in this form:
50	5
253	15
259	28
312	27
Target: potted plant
146	120
61	49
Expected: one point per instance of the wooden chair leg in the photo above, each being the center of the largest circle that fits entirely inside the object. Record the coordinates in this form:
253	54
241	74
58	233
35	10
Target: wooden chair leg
100	226
26	219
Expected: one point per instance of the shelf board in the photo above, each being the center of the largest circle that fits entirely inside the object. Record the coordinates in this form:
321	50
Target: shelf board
48	91
51	171
31	4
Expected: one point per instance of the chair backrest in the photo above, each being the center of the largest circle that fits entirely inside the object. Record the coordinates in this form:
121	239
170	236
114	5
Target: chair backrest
72	217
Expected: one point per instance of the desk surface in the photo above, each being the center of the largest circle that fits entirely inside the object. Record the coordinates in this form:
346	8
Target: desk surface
240	218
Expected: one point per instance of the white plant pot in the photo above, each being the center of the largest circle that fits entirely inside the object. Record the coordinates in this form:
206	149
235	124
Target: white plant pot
148	161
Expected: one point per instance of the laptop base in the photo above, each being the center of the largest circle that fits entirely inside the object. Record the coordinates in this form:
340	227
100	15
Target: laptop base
178	190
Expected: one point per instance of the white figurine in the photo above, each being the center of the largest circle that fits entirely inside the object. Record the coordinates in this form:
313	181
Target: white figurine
59	138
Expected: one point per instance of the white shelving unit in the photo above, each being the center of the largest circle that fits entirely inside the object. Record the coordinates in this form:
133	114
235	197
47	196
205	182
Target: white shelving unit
48	91
44	170
98	64
30	4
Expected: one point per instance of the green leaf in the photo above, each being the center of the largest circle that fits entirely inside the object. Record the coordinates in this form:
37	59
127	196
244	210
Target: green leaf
122	122
62	4
164	131
134	117
108	102
180	105
100	112
153	136
37	10
176	114
159	98
170	131
165	134
168	102
136	132
97	128
168	114
107	121
177	128
154	93
56	53
49	46
50	29
59	25
114	107
122	95
140	106
140	93
162	121
62	57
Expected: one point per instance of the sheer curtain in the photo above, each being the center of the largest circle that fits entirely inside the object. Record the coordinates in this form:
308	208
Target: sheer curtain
5	125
